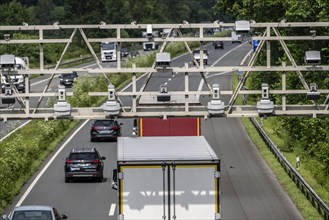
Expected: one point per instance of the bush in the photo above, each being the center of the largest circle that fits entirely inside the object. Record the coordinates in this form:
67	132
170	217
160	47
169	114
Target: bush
22	153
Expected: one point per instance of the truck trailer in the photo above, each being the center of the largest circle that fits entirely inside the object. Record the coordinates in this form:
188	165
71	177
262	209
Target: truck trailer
170	178
176	126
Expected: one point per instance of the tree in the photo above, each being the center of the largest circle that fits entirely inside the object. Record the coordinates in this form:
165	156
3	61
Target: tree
13	13
43	12
88	12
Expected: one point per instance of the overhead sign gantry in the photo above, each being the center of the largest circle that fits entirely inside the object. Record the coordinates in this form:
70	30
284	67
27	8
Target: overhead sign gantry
184	100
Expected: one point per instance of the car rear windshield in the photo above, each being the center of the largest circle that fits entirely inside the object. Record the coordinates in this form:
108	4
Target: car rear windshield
198	51
104	123
83	156
32	215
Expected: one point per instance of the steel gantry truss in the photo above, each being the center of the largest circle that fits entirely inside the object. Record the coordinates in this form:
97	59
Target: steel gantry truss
185	103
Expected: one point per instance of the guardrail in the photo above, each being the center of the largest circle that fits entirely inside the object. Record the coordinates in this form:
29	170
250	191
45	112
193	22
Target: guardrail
310	194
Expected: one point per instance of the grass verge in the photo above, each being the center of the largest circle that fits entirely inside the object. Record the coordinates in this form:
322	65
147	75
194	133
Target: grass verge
305	207
23	152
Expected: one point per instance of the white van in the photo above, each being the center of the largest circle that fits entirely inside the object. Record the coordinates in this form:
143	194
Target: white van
236	38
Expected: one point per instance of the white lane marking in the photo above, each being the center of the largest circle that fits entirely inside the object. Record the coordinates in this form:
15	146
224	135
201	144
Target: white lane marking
222	57
29	189
112	209
41	81
218	74
13	131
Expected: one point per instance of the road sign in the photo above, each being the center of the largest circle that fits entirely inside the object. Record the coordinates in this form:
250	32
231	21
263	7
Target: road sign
255	44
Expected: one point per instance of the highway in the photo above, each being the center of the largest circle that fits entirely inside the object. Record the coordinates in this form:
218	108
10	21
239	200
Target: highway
249	188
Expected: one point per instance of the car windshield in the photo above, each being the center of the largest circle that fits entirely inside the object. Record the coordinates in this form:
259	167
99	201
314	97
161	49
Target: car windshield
82	156
104	123
32	215
108	46
198	51
68	75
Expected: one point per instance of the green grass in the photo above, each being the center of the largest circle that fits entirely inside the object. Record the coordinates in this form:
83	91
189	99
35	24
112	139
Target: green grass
305	207
29	150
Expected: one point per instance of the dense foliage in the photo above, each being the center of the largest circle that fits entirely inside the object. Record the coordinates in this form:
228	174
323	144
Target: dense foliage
109	11
22	153
306	136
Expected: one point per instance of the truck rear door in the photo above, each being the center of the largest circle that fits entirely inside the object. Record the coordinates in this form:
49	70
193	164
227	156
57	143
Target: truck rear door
170	191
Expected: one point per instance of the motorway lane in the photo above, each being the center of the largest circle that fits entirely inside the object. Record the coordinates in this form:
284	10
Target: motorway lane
249	189
80	200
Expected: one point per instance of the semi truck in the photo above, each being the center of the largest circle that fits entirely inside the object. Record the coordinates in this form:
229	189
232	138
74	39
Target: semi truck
168	177
108	51
18	80
151	44
177	126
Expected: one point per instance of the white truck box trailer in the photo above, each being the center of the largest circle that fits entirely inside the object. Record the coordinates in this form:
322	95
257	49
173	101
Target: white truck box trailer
169	177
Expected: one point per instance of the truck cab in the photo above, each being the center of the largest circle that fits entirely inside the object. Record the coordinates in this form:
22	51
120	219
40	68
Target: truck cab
18	80
108	51
236	38
150	46
197	56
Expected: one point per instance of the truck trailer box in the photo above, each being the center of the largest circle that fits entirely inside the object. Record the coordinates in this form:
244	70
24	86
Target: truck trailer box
167	178
185	126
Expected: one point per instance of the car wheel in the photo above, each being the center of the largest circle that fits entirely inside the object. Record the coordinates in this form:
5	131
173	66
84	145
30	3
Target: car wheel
100	179
67	179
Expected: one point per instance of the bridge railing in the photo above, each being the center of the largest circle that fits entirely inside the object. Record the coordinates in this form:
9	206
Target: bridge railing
311	195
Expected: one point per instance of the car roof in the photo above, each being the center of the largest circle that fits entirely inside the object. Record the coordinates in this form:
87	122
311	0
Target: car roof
198	51
83	150
33	207
105	120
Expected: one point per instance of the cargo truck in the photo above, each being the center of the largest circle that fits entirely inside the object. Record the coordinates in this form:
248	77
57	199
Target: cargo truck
108	51
175	177
17	80
185	126
151	44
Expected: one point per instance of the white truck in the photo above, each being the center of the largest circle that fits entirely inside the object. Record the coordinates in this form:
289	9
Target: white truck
108	51
236	38
197	56
168	177
151	44
18	80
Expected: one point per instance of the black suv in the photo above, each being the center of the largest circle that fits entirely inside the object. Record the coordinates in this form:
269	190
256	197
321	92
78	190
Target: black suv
218	44
84	163
67	79
107	129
